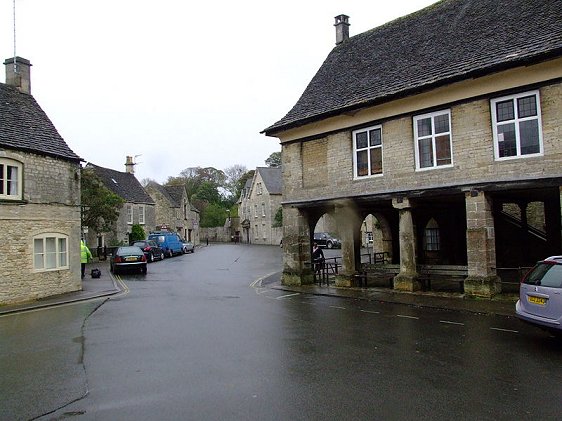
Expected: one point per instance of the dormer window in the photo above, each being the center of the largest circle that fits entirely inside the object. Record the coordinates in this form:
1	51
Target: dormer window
10	179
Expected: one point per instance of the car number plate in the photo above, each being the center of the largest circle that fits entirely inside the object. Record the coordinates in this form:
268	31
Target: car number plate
537	300
131	259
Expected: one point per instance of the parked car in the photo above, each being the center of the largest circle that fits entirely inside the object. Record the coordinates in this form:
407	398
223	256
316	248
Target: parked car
151	249
128	258
540	295
169	242
188	247
325	239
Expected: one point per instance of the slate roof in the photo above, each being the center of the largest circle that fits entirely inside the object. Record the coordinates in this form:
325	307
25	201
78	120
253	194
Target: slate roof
24	126
163	190
272	178
176	193
122	184
446	42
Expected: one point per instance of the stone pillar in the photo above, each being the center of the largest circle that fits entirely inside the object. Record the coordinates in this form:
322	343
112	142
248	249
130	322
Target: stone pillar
407	279
482	280
349	230
296	248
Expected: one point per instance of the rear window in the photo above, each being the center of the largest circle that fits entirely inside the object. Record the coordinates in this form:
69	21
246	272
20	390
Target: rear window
546	275
158	238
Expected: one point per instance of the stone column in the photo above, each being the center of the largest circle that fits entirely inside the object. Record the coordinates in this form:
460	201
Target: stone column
349	230
407	279
482	280
296	248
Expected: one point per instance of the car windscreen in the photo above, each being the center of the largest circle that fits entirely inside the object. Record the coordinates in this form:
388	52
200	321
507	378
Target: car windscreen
546	275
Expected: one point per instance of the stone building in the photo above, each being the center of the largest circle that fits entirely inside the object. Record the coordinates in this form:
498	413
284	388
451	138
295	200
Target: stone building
174	212
39	197
139	208
258	204
435	123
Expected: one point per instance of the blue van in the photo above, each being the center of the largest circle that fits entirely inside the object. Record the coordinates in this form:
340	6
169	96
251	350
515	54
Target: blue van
169	242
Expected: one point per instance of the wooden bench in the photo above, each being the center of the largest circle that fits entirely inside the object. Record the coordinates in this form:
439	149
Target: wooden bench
453	273
383	273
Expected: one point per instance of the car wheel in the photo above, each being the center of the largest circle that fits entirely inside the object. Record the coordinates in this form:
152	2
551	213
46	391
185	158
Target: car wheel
151	257
193	250
170	253
329	245
161	255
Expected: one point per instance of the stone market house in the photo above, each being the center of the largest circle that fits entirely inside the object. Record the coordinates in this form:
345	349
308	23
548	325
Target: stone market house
139	208
39	197
445	125
260	200
174	212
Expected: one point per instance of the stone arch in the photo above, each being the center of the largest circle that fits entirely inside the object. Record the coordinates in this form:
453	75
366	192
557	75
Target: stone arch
377	224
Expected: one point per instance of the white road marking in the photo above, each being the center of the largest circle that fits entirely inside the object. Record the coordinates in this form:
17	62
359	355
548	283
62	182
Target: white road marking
451	323
407	317
340	308
288	295
504	330
371	312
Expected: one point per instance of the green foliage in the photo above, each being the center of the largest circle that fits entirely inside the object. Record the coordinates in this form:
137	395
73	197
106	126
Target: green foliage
100	206
278	218
213	216
274	160
137	233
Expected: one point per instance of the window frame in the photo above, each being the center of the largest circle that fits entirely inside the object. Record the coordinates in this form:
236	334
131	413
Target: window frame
7	162
368	149
58	253
432	137
263	210
516	122
142	215
129	209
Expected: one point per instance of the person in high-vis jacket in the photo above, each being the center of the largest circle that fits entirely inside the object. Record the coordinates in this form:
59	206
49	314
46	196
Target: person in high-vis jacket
85	256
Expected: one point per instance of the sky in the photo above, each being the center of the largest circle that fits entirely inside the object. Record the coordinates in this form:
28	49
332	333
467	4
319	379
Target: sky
174	83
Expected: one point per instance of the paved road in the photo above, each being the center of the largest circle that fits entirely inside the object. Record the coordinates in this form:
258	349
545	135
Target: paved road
198	339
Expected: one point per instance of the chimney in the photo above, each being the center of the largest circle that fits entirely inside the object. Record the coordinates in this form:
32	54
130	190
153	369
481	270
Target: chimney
17	74
129	165
342	28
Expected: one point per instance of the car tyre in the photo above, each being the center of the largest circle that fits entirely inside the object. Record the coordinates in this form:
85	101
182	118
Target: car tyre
170	253
151	257
161	255
329	244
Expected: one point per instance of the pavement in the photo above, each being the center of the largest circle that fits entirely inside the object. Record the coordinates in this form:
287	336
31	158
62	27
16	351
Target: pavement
106	286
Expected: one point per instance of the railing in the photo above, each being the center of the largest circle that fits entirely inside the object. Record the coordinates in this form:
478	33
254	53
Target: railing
374	258
326	271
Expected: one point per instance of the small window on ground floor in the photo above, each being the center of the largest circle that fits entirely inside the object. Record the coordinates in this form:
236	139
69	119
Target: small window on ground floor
50	252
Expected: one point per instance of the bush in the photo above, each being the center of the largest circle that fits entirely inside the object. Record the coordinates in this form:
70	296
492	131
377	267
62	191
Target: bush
137	233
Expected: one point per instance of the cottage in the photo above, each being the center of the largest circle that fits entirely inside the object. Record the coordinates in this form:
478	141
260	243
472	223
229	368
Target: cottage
39	197
444	125
139	208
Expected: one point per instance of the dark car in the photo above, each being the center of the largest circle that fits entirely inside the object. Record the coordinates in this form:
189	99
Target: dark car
128	258
187	247
540	295
151	249
325	239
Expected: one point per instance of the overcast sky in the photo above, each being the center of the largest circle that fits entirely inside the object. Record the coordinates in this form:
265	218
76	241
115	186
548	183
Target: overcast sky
177	83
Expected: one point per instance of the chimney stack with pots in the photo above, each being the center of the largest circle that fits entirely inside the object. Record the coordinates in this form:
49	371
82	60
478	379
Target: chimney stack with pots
18	74
342	28
129	165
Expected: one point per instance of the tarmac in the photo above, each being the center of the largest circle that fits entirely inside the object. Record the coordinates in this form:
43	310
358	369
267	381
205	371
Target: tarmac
107	286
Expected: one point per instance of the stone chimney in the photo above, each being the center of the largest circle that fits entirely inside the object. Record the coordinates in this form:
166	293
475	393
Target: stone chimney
342	28
129	165
18	75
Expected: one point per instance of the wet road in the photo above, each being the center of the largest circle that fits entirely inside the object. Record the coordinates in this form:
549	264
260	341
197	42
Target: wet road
198	339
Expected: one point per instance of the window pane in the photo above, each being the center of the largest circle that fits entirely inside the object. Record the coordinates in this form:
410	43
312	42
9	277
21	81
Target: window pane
527	106
426	154
376	161
443	150
12	178
529	137
362	164
361	140
1	178
38	254
442	123
432	239
62	252
424	127
504	110
375	137
506	140
50	253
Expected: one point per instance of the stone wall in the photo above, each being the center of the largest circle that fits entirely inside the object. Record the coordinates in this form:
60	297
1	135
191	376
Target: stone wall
51	193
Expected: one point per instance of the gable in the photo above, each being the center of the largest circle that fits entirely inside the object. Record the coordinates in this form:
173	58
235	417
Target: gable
449	41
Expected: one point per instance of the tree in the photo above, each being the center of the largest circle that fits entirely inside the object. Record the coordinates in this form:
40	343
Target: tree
232	185
100	206
214	216
278	218
274	160
137	233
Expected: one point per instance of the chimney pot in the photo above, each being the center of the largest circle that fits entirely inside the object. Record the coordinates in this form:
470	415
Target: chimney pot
129	165
342	28
18	74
